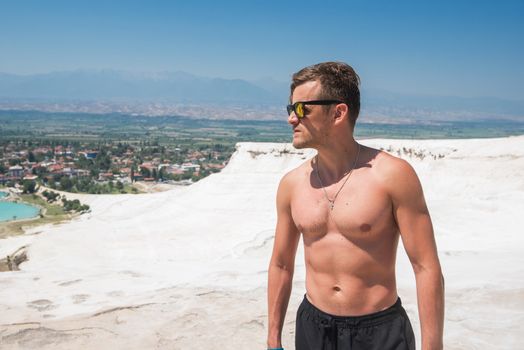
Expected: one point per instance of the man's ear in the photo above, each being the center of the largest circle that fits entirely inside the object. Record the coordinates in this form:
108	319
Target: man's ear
341	112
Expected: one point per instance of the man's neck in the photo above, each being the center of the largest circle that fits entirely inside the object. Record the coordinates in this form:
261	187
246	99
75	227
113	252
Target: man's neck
336	160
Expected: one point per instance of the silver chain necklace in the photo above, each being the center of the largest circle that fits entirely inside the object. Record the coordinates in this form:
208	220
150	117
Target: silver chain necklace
332	201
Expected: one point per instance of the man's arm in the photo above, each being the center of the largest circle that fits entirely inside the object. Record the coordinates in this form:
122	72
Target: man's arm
281	266
416	230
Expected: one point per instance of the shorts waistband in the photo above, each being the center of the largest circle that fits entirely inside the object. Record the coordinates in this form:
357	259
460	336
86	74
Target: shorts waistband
372	319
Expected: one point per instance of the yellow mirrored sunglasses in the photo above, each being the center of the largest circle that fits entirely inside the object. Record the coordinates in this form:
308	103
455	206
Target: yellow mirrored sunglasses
298	107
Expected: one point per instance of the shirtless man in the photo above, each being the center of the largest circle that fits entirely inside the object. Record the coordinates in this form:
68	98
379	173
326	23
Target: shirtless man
351	204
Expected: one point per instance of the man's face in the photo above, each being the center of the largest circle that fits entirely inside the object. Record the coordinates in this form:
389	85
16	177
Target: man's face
311	130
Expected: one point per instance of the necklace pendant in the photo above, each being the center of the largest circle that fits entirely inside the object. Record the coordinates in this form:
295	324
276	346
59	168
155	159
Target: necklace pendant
331	205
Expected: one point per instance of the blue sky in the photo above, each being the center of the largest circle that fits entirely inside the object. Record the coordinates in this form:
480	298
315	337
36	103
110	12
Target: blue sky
448	48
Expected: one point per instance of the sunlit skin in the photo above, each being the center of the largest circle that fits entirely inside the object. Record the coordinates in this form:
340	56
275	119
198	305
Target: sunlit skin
350	251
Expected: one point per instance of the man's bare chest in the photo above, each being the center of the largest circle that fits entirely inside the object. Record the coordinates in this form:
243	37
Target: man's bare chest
361	211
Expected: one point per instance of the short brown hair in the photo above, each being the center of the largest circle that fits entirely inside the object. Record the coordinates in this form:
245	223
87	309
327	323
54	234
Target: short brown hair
338	81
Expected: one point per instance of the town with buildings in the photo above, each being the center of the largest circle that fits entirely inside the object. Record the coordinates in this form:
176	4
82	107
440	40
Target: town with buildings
105	168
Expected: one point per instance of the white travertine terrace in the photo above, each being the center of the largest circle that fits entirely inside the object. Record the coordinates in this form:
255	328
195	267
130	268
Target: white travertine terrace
187	268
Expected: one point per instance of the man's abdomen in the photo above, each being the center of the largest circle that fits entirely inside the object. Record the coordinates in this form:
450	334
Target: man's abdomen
347	280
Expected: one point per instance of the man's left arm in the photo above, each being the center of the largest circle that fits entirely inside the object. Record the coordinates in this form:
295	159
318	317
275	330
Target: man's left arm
416	230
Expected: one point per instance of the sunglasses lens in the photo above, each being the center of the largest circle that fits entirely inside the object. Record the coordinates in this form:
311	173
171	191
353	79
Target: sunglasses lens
289	109
299	110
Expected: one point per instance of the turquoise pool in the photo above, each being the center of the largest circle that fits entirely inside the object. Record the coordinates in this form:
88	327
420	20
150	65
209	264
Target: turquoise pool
16	211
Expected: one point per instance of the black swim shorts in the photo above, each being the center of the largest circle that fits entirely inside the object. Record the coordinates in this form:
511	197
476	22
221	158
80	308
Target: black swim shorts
388	329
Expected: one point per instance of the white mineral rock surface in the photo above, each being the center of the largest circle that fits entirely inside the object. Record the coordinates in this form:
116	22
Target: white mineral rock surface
187	268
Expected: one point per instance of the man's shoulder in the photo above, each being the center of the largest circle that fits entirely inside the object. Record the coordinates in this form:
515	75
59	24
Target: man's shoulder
287	185
390	169
296	174
399	180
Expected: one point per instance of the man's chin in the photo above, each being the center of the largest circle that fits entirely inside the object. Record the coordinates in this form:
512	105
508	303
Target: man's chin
300	144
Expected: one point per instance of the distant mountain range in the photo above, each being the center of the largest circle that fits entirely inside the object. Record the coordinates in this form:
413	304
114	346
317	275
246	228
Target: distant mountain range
120	85
128	88
445	107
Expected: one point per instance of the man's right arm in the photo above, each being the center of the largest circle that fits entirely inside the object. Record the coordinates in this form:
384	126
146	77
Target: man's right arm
281	266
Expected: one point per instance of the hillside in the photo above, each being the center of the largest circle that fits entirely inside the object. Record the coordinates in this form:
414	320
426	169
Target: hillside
188	268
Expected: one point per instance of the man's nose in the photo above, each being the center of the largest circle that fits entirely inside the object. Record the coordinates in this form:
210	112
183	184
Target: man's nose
293	119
